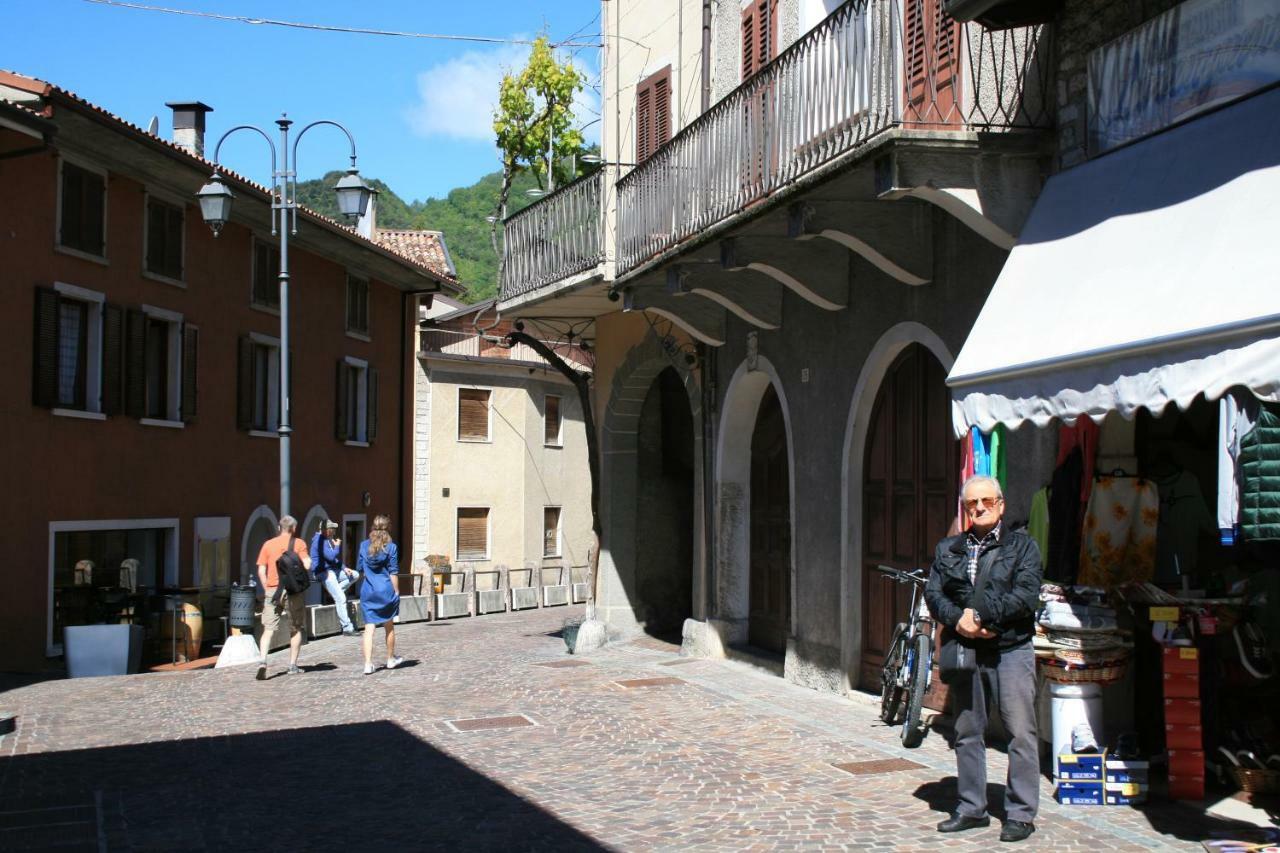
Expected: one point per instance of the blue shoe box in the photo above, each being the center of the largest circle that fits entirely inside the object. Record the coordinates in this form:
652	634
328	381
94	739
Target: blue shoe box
1080	793
1080	768
1124	793
1137	772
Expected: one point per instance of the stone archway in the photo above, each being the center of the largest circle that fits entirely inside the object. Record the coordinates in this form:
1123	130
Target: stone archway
620	435
870	378
306	530
261	526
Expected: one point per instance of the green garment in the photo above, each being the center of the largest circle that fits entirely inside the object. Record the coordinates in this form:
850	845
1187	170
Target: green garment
1260	476
999	470
1038	523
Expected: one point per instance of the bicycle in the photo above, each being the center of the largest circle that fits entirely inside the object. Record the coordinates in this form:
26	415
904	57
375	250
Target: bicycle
908	663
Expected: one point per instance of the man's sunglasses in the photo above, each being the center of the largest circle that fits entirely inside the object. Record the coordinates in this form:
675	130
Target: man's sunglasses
970	504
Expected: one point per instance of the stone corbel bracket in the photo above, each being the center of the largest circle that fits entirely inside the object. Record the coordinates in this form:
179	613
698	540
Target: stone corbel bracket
822	286
894	237
703	320
757	301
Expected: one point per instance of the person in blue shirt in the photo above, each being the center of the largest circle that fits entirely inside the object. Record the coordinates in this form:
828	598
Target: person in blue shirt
379	562
326	551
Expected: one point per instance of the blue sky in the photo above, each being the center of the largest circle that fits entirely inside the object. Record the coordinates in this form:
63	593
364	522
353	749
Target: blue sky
418	108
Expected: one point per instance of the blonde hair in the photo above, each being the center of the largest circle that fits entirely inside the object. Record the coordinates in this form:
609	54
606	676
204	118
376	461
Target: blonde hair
381	535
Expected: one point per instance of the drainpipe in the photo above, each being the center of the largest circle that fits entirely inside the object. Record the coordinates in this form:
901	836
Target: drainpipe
706	55
710	366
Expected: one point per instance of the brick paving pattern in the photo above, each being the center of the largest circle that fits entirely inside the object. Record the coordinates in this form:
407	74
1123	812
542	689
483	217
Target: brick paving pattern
723	758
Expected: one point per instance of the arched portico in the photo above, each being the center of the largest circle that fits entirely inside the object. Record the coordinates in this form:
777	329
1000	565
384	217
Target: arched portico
261	526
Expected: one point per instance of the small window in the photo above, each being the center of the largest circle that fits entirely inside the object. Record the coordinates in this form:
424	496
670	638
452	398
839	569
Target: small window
473	414
73	352
551	531
258	406
357	396
156	348
357	305
551	421
473	533
70	350
83	206
165	224
266	275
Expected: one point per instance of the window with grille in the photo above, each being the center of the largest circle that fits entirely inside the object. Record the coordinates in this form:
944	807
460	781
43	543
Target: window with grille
266	275
357	305
473	533
653	113
551	421
165	223
82	210
551	531
473	414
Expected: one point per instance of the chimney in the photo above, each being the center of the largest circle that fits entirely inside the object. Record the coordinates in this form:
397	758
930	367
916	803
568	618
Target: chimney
188	124
367	225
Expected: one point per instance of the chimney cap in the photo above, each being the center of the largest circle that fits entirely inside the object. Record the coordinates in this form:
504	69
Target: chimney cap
189	105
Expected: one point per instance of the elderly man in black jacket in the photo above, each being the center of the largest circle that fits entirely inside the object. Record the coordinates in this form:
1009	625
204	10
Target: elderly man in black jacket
985	584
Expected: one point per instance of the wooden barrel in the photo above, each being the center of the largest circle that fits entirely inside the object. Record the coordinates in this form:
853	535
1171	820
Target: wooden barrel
185	618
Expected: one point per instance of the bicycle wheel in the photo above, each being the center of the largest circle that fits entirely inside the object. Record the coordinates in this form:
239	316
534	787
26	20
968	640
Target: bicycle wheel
912	731
890	692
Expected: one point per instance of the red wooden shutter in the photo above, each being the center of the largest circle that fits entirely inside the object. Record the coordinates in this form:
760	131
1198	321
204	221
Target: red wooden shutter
932	49
473	533
44	381
661	108
371	404
914	48
653	113
644	121
112	359
473	414
946	70
135	364
190	370
766	32
749	27
340	409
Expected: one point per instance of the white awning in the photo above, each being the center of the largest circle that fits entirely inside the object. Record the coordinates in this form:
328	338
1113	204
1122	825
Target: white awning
1144	277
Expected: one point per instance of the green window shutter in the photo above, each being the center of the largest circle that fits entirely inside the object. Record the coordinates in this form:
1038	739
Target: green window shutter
44	374
340	419
112	359
135	364
371	414
244	384
190	370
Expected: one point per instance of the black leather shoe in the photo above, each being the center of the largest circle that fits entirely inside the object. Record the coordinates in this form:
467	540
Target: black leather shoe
959	823
1016	830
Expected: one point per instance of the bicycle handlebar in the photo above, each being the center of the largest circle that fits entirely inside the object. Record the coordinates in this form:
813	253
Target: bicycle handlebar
902	575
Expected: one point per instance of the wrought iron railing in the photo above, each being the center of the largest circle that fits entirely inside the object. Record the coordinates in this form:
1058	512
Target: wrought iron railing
847	80
553	238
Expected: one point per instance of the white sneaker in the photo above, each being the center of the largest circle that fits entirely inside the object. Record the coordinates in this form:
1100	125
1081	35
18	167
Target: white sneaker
392	663
368	669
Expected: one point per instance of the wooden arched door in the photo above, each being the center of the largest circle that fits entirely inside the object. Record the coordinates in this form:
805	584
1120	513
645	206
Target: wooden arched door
908	492
769	616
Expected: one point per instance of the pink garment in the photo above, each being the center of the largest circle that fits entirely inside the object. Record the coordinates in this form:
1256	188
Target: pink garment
967	468
1085	435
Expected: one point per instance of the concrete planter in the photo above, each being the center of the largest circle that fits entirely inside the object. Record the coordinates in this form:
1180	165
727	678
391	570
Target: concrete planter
450	604
580	592
102	649
491	601
414	608
555	596
524	597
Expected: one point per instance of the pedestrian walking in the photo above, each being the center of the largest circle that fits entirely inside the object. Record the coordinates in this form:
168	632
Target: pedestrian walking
326	551
985	586
276	603
379	563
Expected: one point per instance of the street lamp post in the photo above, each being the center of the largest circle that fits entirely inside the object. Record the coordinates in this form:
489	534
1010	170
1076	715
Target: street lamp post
215	206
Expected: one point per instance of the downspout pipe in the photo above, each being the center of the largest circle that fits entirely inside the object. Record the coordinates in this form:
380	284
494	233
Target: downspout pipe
706	56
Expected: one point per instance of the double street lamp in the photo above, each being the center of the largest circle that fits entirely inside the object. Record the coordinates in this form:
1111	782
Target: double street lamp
215	206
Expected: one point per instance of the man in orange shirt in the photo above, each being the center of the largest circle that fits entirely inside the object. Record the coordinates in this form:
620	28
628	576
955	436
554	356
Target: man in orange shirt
276	602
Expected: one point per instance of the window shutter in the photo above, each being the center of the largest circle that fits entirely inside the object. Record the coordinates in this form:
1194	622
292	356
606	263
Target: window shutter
473	533
661	108
173	242
946	35
244	384
190	369
44	375
95	202
112	359
135	363
644	121
371	410
766	32
340	413
473	414
749	41
914	51
551	421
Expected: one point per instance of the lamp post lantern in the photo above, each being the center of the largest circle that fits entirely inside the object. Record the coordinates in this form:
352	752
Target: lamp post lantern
215	207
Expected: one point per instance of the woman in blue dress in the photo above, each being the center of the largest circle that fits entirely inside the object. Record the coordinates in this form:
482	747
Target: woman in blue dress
379	563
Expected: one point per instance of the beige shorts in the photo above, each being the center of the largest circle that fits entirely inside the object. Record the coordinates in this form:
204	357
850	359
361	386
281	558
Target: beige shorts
293	606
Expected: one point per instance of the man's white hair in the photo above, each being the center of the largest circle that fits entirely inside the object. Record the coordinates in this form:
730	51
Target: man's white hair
982	478
288	522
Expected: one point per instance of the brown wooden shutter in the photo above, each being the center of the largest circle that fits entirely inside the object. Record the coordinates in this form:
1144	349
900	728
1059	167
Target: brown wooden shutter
661	108
95	203
473	533
112	359
340	413
371	410
749	28
551	421
44	374
173	241
914	47
644	121
473	414
190	370
135	364
766	32
245	391
946	62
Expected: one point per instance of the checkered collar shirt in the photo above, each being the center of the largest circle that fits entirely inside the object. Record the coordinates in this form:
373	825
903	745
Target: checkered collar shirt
977	547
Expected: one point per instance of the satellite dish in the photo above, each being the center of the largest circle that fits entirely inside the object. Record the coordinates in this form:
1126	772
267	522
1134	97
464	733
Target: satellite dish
153	126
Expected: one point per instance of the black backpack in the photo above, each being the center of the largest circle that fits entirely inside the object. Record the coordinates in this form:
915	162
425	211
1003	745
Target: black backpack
294	576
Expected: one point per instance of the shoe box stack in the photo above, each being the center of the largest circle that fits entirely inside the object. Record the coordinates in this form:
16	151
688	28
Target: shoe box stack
1101	779
1183	735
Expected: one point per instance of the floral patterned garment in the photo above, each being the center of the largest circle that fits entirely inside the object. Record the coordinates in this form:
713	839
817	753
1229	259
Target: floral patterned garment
1119	540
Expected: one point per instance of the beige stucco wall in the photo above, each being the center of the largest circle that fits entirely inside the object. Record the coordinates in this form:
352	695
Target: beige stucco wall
513	474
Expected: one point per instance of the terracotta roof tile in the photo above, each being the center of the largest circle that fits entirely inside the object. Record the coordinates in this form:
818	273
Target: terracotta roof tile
426	248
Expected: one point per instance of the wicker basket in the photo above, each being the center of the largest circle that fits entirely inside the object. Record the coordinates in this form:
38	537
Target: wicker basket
1255	781
1092	657
1092	674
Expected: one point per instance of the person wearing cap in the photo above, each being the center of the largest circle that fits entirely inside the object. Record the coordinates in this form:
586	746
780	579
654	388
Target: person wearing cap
328	569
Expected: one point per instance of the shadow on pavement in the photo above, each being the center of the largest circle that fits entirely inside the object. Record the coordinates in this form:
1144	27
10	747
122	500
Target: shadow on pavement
372	786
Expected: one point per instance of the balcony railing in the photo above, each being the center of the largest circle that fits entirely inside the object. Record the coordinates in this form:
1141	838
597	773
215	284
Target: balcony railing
553	238
860	72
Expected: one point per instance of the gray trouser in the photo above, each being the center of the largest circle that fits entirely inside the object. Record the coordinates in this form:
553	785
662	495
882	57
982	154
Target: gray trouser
1012	681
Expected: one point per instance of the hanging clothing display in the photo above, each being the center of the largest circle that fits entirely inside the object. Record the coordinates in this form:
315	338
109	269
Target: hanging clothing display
1118	542
1260	476
1038	523
1184	518
981	453
1235	418
1084	435
999	457
1063	557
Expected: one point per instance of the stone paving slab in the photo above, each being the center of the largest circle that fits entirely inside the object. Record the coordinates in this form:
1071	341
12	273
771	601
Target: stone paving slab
722	758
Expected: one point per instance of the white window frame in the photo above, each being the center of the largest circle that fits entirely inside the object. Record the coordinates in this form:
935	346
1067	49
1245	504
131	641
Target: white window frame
88	166
273	385
253	267
173	417
93	356
488	534
52	649
488	439
172	201
361	436
559	549
559	439
367	335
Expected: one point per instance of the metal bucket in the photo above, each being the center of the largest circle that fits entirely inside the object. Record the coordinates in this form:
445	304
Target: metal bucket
240	612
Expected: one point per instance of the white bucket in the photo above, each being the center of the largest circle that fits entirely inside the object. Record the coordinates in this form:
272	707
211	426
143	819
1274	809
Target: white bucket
1070	705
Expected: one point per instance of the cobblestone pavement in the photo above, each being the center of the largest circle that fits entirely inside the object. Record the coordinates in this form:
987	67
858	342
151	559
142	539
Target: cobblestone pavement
633	748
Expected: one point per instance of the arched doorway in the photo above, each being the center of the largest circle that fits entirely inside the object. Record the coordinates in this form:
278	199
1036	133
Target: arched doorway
769	614
665	463
260	527
908	491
